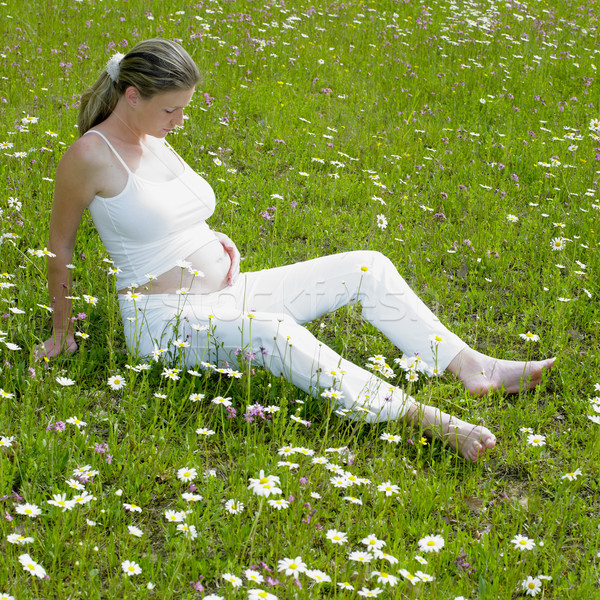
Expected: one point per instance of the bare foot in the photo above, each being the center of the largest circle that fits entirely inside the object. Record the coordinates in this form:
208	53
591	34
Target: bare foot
481	374
470	440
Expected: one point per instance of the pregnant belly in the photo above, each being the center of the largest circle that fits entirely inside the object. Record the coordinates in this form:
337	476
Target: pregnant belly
211	260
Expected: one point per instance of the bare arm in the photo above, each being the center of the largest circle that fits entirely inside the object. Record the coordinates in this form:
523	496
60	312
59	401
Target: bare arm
74	191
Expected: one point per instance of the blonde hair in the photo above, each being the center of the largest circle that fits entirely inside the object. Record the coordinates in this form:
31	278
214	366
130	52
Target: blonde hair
152	66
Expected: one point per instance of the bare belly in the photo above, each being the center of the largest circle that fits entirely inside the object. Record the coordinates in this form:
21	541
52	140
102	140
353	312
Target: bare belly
211	260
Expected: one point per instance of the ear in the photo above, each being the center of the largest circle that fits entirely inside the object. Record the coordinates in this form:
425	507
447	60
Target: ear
133	96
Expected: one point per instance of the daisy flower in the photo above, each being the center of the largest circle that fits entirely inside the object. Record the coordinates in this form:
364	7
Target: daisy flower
345	585
379	554
232	579
336	537
381	222
383	577
187	474
175	516
234	507
353	500
189	497
257	594
362	557
572	476
6	442
130	568
530	337
29	510
265	485
188	530
431	543
531	585
15	538
116	382
222	401
536	440
371	541
292	566
31	566
205	431
61	501
318	576
367	593
78	422
388	488
522	542
253	576
412	577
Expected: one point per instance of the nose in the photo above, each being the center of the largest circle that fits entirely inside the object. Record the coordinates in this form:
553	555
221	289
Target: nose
178	118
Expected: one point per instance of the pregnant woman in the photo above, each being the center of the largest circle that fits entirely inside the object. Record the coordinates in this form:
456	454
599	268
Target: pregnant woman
179	285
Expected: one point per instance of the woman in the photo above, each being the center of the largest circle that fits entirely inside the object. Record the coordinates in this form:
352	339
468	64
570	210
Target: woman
180	289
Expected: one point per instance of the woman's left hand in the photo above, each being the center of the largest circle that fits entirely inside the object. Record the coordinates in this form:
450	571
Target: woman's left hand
234	255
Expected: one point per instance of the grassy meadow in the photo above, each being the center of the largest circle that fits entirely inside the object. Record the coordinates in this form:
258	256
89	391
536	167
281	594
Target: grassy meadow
462	140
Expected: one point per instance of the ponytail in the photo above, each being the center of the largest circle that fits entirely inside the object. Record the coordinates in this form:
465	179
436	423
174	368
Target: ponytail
97	103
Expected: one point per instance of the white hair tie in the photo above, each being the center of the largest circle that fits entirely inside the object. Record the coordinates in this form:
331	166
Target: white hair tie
113	66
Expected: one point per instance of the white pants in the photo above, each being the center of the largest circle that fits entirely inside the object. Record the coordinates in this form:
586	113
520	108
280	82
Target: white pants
262	314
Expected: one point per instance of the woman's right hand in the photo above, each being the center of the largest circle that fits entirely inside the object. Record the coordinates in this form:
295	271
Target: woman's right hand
54	346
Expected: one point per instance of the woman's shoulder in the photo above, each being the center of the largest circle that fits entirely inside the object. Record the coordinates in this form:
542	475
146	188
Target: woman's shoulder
83	169
88	161
88	151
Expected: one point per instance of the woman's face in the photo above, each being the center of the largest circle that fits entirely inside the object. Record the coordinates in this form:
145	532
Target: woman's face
161	113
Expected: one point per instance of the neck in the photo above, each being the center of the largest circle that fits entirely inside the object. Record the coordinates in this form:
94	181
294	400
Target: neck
123	124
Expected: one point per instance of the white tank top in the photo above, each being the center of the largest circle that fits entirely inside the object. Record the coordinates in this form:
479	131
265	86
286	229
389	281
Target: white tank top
150	225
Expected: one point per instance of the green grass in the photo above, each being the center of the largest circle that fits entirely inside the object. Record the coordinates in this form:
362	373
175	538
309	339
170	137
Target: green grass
407	84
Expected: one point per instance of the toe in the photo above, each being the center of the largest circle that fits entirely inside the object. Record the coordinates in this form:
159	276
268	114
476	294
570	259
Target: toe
475	451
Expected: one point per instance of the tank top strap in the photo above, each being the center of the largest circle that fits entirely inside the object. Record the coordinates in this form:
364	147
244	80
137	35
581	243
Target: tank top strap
111	147
185	165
